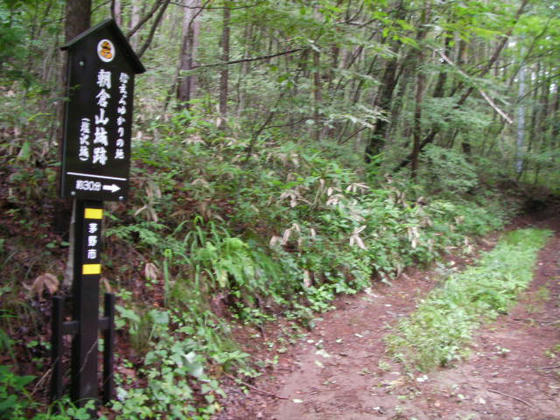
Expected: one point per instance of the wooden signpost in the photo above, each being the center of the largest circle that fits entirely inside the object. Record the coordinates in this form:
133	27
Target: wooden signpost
95	168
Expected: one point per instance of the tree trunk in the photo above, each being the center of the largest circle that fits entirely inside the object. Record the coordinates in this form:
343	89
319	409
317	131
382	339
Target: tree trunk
383	102
78	18
242	94
78	15
420	81
224	74
537	130
187	84
555	115
520	123
384	97
134	20
417	132
317	95
116	11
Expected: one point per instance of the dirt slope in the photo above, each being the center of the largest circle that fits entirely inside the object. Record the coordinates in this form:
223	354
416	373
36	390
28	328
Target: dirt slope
340	370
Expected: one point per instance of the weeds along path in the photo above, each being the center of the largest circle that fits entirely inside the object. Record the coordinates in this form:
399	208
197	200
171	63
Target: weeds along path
341	371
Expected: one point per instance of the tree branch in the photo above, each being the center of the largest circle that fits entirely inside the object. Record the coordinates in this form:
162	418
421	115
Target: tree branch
505	116
254	388
175	3
153	30
355	133
495	391
257	133
245	60
142	21
290	124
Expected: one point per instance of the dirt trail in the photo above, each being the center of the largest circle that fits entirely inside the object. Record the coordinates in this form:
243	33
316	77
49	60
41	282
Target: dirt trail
340	370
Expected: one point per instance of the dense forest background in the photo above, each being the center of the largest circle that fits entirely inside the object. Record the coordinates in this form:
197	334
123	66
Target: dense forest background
283	152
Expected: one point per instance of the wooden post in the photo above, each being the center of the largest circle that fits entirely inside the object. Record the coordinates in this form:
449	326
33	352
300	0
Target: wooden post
87	272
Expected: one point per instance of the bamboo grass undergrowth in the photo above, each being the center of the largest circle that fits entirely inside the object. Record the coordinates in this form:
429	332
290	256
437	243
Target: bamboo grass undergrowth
439	331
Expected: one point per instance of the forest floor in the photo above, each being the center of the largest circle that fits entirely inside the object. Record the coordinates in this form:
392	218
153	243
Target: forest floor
340	370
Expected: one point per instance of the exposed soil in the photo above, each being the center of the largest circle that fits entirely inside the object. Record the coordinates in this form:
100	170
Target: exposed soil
340	369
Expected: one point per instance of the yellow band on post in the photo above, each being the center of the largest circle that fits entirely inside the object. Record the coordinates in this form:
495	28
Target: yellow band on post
93	213
91	269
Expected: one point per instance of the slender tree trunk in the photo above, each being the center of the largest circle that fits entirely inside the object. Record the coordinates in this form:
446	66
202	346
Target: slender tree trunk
317	95
520	123
439	89
383	102
555	116
399	98
224	74
187	84
420	81
242	94
134	20
462	49
78	17
550	141
536	111
384	97
417	132
335	55
116	11
537	130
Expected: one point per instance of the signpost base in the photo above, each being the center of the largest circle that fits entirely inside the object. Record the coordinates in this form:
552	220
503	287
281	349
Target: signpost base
85	325
60	328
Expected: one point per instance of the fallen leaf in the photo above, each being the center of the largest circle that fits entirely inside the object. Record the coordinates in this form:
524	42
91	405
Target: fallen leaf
323	353
45	281
107	285
151	272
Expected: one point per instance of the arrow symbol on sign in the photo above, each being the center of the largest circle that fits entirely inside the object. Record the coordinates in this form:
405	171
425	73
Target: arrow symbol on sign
113	188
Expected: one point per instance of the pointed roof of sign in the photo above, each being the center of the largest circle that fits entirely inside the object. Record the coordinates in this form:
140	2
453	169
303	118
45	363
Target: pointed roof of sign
120	40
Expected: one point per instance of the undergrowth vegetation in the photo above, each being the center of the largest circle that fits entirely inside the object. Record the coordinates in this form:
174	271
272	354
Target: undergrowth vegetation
278	231
222	231
438	332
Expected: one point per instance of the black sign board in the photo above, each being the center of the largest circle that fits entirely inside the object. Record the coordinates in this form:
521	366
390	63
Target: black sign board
98	117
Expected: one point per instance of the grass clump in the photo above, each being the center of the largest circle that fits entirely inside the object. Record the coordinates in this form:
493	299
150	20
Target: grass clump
437	332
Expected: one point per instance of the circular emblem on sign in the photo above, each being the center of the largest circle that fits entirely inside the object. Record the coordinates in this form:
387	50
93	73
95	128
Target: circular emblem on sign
106	50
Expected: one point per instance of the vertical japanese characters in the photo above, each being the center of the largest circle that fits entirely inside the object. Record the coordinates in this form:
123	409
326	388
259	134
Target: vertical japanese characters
121	112
92	241
101	140
97	149
85	131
